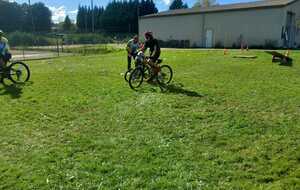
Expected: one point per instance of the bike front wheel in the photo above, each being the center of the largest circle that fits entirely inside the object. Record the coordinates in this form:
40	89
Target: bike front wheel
19	72
127	75
165	75
136	78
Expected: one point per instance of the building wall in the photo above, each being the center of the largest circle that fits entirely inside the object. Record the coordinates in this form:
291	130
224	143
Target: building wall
295	8
253	27
188	27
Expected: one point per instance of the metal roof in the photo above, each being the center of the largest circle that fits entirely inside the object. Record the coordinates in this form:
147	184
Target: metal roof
221	8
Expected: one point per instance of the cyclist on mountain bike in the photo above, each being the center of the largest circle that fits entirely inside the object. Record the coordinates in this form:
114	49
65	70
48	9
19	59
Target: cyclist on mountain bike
132	49
4	50
153	46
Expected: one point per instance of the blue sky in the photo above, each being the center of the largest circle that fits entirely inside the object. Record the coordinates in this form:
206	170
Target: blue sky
61	8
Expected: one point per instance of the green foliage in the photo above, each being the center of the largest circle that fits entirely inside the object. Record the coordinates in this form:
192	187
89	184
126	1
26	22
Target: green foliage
28	39
224	124
11	16
205	3
271	44
41	17
118	16
175	43
67	24
178	4
15	17
88	38
84	18
91	50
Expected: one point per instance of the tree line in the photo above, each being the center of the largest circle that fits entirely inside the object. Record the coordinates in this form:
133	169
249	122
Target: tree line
118	16
22	17
122	16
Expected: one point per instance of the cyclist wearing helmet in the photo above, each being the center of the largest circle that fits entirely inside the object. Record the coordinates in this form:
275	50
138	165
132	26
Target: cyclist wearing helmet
4	50
153	46
132	49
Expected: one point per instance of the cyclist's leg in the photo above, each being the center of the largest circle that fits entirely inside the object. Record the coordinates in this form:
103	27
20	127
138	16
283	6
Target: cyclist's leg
1	68
2	62
154	59
129	62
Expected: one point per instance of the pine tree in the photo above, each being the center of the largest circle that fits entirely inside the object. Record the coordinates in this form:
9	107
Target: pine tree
118	16
67	25
205	3
178	4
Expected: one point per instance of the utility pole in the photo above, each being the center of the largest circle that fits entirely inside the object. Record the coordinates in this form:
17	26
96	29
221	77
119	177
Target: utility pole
93	16
85	22
31	15
138	16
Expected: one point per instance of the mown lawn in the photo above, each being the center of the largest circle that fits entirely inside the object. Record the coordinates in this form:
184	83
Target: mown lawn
224	123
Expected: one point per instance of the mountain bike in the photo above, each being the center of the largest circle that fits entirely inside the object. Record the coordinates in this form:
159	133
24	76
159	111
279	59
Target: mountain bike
163	74
139	63
18	72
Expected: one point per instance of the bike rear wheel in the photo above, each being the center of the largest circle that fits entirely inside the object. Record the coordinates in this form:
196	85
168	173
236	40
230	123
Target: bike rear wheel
18	72
165	75
136	78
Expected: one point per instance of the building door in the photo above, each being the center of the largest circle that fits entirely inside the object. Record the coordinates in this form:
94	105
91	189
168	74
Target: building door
290	33
209	39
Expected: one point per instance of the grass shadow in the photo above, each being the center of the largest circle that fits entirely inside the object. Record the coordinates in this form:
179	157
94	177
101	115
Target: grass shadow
14	90
178	88
286	64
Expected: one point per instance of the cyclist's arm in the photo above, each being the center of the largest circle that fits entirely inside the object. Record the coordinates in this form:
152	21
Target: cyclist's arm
7	47
128	47
3	51
144	47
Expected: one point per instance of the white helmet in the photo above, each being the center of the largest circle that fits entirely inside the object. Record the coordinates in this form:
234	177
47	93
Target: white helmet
1	32
140	56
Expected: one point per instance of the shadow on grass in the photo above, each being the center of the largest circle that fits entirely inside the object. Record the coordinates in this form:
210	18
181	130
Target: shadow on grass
14	90
286	64
178	88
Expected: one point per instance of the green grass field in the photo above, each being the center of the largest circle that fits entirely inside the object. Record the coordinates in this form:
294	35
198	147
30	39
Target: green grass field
224	123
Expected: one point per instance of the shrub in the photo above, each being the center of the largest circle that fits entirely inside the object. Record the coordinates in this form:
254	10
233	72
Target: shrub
90	50
234	46
271	44
27	39
175	43
219	44
97	38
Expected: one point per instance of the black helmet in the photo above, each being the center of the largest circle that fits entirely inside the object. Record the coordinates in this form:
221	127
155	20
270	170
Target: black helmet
149	34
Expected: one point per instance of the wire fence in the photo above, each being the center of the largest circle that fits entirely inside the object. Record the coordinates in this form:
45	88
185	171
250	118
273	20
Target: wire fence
47	52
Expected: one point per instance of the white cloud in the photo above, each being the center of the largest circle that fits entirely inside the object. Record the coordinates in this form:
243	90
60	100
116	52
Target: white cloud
73	12
58	14
167	2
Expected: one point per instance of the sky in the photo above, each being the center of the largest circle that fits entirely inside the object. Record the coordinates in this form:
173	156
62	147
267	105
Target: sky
61	8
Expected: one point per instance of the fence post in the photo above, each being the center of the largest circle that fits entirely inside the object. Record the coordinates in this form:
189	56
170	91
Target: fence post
57	46
23	53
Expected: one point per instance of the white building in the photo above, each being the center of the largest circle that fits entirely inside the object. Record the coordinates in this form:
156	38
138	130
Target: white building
261	23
